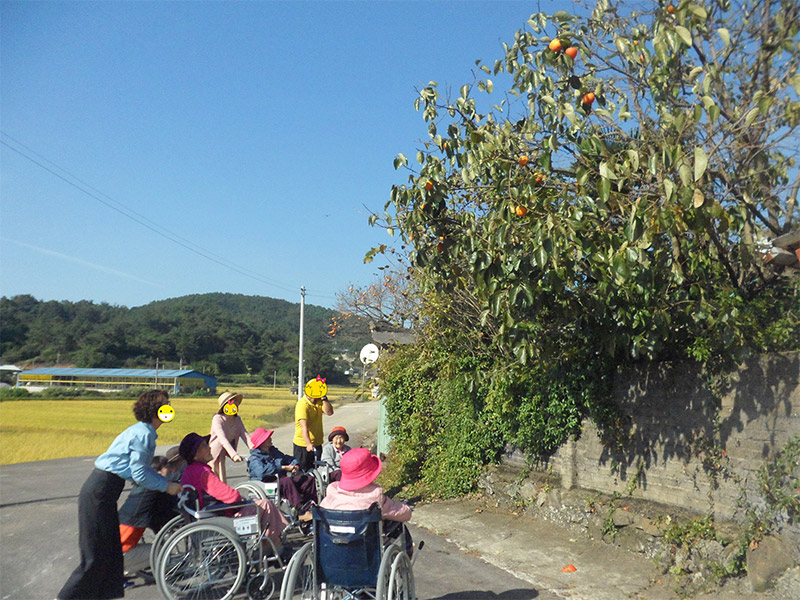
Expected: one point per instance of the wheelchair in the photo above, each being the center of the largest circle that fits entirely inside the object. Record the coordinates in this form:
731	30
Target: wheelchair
205	556
271	489
351	557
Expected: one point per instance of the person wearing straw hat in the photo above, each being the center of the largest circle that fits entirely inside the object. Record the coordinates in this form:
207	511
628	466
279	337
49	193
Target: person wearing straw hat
356	489
226	430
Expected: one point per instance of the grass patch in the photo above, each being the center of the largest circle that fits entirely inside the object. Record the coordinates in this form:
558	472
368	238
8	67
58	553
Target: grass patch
33	430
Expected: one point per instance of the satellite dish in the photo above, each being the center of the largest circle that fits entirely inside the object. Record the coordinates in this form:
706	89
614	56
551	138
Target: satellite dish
369	354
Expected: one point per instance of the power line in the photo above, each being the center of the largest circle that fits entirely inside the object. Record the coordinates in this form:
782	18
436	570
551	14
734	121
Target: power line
142	220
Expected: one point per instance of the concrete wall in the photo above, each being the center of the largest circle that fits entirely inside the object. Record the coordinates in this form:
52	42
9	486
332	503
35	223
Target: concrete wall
685	448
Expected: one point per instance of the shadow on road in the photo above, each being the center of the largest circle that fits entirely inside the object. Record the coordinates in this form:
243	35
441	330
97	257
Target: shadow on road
36	500
478	595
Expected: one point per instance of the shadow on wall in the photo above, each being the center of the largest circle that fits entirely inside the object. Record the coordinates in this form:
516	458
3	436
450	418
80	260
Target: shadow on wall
675	416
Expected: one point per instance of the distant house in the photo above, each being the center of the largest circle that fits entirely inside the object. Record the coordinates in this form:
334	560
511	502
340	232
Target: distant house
175	380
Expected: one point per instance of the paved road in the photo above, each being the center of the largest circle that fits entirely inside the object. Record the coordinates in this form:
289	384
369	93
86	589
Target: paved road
38	530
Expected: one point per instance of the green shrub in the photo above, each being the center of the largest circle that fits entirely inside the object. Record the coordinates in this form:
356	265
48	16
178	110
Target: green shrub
14	392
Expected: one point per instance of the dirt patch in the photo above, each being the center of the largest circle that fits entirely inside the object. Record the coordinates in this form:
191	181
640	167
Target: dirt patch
697	556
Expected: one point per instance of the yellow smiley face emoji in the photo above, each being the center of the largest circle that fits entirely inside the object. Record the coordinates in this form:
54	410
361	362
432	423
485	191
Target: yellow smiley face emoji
166	413
316	388
230	409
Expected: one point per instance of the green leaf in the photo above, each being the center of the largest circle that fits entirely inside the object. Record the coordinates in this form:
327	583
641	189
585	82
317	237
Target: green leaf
725	36
604	187
606	172
684	34
540	256
633	229
489	86
633	156
699	11
652	164
750	117
698	198
669	188
764	103
700	162
400	160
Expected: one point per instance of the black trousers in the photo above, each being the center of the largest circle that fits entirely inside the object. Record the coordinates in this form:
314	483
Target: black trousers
100	573
306	459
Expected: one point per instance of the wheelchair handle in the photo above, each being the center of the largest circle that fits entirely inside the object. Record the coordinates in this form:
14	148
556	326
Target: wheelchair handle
185	496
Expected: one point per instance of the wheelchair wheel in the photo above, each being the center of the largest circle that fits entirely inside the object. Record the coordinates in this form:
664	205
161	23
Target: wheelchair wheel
298	581
202	561
321	481
260	587
162	536
395	577
401	579
251	491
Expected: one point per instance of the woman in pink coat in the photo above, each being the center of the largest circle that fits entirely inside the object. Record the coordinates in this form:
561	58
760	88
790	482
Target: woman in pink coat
356	490
196	451
226	430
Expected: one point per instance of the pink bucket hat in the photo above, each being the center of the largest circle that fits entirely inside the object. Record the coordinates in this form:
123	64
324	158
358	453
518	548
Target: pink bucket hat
260	435
359	468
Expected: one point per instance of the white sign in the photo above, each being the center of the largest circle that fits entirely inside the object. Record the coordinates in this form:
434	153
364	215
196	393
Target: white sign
369	354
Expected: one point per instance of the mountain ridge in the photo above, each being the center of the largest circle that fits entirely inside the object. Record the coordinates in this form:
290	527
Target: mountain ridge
217	333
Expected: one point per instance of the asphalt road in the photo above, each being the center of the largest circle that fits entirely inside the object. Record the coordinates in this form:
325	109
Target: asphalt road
39	531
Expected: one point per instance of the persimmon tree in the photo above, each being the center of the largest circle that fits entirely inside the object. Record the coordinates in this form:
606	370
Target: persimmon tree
599	199
651	167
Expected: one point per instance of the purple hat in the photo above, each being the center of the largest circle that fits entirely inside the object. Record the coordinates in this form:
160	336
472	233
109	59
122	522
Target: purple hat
359	468
190	444
260	435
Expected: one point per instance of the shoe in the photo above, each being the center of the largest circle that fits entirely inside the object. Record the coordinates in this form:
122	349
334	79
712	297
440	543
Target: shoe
147	576
285	554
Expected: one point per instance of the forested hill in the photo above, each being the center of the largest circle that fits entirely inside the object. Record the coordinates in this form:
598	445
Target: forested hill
217	334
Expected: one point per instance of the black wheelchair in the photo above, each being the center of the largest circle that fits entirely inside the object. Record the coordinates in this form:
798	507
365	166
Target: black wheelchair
352	557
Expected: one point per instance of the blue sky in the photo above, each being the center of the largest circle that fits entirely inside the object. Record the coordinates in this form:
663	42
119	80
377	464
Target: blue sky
152	150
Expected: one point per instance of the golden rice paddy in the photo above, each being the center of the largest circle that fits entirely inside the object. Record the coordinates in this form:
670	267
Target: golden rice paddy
33	430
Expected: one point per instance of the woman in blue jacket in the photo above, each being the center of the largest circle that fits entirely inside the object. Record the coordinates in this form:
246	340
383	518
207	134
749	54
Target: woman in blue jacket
100	572
267	462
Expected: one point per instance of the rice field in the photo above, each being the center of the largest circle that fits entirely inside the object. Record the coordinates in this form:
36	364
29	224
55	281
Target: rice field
33	430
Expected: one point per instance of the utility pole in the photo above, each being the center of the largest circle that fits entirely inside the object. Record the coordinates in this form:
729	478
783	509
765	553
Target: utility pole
300	359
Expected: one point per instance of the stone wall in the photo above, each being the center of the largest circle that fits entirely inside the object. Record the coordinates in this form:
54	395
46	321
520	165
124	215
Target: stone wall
686	448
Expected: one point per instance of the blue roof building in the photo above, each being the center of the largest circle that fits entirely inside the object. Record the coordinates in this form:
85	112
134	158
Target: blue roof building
176	380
